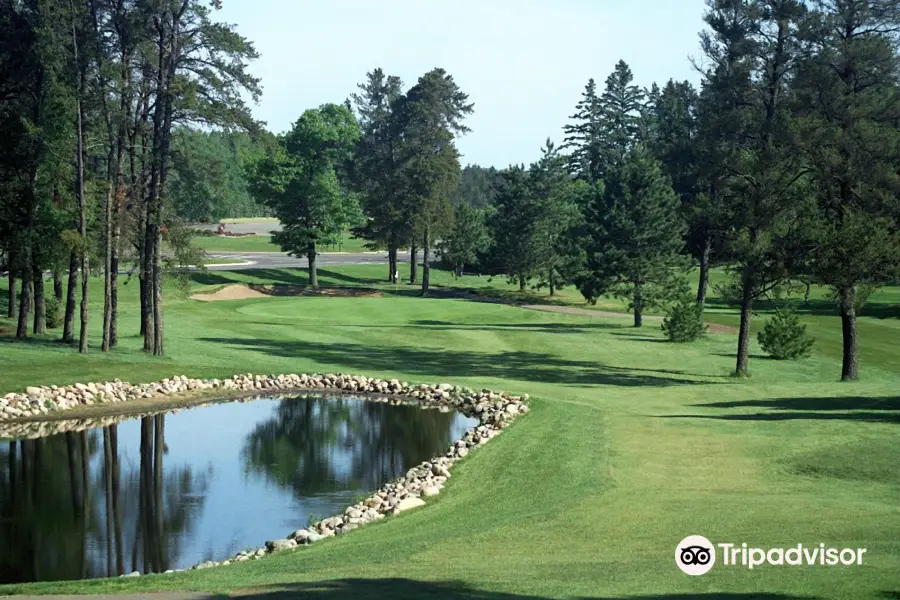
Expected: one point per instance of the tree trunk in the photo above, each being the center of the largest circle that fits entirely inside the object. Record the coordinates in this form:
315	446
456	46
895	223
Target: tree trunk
704	271
742	368
551	281
117	509
158	348
425	267
80	200
313	273
11	294
392	262
114	293
107	488
24	298
40	306
69	322
57	285
638	304
147	299
107	259
159	443
521	283
413	265
850	364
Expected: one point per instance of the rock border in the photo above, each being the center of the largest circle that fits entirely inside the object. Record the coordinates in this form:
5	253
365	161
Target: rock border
494	410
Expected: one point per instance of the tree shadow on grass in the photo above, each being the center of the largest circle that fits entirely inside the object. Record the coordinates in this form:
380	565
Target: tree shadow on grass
328	273
408	589
516	365
529	327
850	408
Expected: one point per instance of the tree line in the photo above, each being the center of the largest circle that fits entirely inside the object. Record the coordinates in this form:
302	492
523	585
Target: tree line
781	167
90	94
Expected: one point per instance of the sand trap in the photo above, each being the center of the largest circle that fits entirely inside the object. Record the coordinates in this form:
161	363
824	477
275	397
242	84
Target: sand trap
238	291
230	292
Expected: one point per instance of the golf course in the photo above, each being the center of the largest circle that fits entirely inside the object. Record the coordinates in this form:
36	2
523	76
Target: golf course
632	442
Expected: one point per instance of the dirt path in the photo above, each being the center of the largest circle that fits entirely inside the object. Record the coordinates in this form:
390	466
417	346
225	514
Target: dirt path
584	312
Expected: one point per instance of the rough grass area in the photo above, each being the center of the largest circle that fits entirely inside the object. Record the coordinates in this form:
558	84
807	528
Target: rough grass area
632	443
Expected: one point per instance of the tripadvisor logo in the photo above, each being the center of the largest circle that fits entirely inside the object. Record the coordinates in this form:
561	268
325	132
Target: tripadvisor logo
696	555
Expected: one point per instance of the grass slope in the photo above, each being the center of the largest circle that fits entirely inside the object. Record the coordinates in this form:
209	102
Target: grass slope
632	444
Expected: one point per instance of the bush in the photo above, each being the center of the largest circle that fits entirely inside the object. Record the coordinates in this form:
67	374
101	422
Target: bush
684	321
53	312
784	337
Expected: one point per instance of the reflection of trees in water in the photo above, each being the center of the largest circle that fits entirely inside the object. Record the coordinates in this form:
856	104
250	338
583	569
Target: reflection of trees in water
62	517
319	445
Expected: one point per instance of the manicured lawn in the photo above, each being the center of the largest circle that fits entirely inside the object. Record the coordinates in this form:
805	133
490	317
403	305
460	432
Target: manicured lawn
633	443
249	243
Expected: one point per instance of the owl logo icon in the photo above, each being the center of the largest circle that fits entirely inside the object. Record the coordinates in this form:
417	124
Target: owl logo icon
695	555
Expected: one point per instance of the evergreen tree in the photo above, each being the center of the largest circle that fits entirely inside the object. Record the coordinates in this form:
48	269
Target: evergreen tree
622	110
583	137
517	249
635	230
476	186
752	49
849	99
430	116
377	166
558	217
466	240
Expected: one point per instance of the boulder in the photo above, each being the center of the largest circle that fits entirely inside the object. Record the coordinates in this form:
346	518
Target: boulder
409	503
279	545
431	490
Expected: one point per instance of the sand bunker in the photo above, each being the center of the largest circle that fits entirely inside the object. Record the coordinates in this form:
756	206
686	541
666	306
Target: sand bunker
244	292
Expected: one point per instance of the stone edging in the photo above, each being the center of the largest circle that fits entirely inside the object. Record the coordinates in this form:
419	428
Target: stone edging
495	411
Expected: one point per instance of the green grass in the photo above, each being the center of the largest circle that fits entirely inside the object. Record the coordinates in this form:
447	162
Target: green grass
263	243
633	443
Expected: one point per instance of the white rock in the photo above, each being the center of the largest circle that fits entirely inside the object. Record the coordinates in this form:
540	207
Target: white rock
409	503
431	490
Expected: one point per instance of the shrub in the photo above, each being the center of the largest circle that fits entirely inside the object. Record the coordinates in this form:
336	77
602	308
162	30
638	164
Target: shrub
53	312
784	337
684	321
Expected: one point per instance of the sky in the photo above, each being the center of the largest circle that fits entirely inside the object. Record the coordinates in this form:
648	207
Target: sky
523	63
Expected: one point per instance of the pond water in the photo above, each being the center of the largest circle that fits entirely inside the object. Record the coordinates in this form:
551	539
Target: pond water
169	491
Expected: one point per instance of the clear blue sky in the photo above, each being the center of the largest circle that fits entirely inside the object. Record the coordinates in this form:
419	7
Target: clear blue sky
524	63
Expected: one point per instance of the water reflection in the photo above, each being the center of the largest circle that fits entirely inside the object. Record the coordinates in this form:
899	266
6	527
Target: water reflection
166	491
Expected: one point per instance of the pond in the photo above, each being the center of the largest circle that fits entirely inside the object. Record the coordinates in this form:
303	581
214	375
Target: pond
169	491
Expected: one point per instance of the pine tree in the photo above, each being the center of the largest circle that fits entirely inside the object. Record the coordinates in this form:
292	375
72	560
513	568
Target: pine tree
466	240
377	167
558	216
517	250
583	137
430	116
753	49
847	91
635	230
622	109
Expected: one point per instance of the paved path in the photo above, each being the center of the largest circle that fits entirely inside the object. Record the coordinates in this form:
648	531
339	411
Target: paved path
279	260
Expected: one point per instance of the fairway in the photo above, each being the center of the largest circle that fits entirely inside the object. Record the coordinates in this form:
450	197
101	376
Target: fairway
632	444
